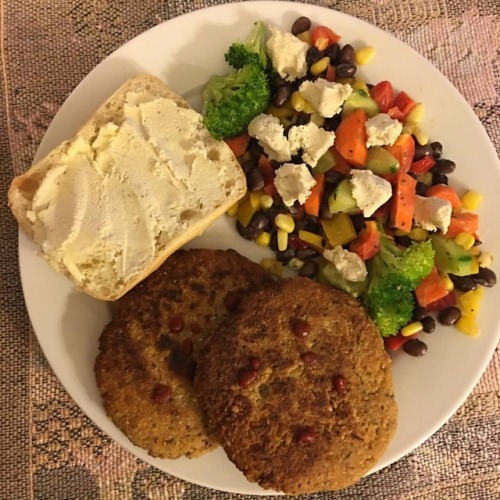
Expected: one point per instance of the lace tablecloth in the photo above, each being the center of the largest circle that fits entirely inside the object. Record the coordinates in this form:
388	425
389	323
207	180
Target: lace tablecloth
48	448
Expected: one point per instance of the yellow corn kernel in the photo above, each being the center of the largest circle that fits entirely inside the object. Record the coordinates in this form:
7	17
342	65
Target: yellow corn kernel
232	211
475	251
485	259
448	284
361	85
416	114
465	240
319	66
298	101
272	265
296	264
364	55
317	119
284	112
411	329
418	234
266	201
474	267
348	80
471	200
468	325
426	178
305	36
469	302
421	136
263	239
246	211
285	222
282	240
255	200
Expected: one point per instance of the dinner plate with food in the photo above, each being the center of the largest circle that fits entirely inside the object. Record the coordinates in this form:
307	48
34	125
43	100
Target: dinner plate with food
256	250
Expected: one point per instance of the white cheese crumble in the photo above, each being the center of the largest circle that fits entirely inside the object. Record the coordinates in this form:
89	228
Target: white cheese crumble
294	183
432	213
269	132
382	130
325	97
369	190
313	140
349	265
288	54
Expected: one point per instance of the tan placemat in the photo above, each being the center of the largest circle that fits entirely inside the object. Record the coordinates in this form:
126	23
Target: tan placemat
48	448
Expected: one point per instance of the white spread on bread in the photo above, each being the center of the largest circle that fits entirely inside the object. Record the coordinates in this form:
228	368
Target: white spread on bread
108	205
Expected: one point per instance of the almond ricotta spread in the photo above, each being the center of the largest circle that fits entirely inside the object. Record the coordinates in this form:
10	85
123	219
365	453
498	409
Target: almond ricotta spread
114	201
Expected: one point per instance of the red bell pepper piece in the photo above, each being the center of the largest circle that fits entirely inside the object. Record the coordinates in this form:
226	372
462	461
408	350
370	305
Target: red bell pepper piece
394	342
383	95
423	165
395	113
322	37
405	103
268	173
449	300
330	73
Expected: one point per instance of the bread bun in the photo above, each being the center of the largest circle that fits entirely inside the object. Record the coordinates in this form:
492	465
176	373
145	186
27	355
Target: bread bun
140	179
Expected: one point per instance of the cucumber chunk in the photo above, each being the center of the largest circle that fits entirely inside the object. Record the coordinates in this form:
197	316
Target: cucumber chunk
341	200
360	99
381	162
451	257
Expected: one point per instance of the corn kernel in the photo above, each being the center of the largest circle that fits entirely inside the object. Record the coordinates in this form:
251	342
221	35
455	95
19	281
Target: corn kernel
285	222
266	201
305	36
426	178
348	80
465	240
298	101
474	267
364	55
322	42
320	65
282	240
470	301
255	200
246	211
286	111
475	251
317	119
418	234
361	85
471	200
232	211
409	128
421	136
263	239
272	265
468	325
448	284
411	329
296	264
485	259
416	114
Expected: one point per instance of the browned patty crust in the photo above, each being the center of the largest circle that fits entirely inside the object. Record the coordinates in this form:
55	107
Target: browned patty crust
148	351
302	399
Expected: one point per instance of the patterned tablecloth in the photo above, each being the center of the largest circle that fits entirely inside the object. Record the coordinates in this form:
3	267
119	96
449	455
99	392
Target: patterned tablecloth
48	448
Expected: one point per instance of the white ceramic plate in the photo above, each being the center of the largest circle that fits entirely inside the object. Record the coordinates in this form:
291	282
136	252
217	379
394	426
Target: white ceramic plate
185	52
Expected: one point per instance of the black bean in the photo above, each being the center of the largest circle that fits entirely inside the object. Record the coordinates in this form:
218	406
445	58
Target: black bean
485	277
419	313
415	347
449	316
257	224
347	54
421	188
421	151
312	223
437	149
273	211
255	149
282	95
463	283
333	177
325	210
255	180
313	54
333	52
443	166
345	70
286	255
438	178
249	165
358	221
300	25
331	124
302	118
277	81
428	324
298	214
404	241
305	253
309	269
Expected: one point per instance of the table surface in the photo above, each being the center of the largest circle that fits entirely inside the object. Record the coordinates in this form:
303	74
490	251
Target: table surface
48	448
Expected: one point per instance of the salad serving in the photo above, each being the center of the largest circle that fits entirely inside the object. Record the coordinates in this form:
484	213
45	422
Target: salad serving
344	185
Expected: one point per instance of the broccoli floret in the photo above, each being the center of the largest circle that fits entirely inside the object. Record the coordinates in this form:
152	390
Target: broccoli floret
394	273
231	101
250	51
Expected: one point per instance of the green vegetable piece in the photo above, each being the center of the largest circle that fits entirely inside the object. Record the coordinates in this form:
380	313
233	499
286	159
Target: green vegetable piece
381	162
341	200
250	51
451	257
328	275
325	163
360	99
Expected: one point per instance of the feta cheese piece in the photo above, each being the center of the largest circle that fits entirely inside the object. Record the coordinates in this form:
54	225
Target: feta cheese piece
432	213
369	190
313	140
324	96
269	131
349	265
382	130
287	53
294	183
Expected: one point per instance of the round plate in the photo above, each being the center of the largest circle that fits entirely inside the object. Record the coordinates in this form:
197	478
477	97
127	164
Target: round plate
185	52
